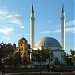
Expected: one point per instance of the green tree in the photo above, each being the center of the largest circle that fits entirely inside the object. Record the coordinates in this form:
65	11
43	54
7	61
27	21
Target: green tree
6	49
56	62
24	58
17	58
41	55
9	59
72	55
68	60
72	52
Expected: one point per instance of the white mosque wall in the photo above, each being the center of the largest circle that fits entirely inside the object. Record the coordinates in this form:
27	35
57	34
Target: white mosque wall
55	48
59	54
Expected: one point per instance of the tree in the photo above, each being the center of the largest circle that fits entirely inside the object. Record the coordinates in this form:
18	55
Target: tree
56	62
13	58
68	60
6	49
41	55
72	55
17	58
72	52
24	59
9	60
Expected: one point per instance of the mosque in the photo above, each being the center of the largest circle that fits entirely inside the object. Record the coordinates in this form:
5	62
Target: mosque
51	43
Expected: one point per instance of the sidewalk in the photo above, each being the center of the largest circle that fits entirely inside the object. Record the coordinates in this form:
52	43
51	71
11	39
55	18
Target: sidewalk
5	73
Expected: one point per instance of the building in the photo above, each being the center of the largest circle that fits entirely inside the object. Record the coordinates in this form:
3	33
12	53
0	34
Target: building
49	42
54	46
23	48
46	42
32	19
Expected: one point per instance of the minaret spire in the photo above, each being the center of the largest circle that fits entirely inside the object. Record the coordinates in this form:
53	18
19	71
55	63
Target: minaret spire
63	8
63	19
32	8
32	19
63	12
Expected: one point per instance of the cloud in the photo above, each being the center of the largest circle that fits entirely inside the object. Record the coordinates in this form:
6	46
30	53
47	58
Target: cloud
70	23
7	33
57	31
22	26
7	37
3	14
12	17
9	21
15	18
6	30
49	21
45	32
26	34
70	29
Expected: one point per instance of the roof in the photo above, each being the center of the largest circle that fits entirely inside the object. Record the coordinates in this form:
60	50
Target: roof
23	38
48	41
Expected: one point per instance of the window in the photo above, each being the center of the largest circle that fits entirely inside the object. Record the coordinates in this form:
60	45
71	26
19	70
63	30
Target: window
21	44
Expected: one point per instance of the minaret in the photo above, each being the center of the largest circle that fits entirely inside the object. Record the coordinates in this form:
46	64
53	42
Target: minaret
32	27
63	18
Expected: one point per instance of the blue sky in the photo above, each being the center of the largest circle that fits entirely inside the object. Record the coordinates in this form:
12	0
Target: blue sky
15	20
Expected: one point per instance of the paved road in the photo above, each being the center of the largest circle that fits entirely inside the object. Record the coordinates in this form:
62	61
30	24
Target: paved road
5	73
42	72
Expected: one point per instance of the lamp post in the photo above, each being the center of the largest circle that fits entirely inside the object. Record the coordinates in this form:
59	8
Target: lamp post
3	66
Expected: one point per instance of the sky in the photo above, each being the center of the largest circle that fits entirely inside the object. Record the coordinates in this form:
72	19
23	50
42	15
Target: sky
15	20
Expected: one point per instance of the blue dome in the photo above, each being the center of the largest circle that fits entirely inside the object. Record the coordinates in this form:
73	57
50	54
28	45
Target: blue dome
48	41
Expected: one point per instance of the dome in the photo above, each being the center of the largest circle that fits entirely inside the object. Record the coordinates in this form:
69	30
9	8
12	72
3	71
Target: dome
48	41
23	38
